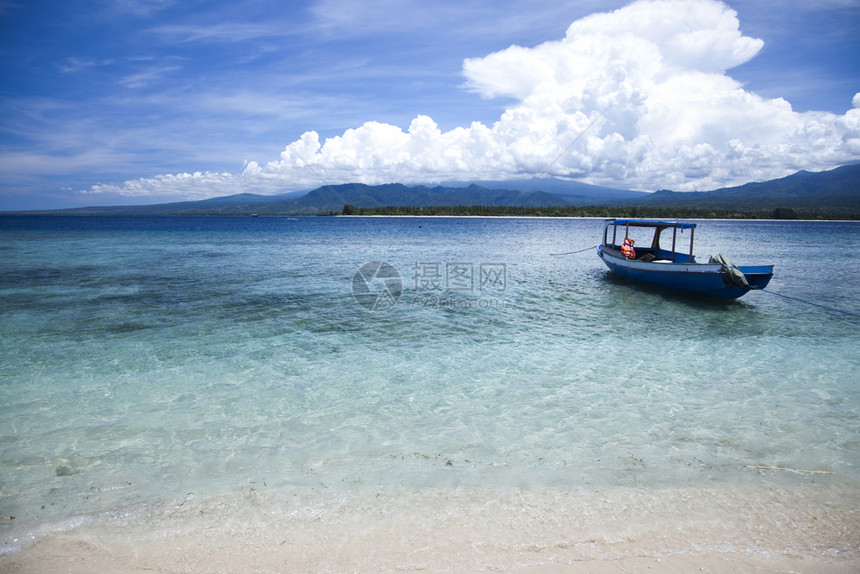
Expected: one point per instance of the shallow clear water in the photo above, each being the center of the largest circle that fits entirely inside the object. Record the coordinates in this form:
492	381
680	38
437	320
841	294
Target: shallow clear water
146	360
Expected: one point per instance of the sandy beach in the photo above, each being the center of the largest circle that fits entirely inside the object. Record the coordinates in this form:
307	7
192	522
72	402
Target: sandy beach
760	529
80	556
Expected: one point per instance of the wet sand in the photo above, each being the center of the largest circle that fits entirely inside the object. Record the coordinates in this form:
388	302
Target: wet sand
751	529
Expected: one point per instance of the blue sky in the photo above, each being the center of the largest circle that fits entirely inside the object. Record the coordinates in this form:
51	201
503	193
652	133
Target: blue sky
145	101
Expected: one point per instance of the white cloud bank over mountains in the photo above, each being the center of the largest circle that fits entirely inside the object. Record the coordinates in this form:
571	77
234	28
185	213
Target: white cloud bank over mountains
637	98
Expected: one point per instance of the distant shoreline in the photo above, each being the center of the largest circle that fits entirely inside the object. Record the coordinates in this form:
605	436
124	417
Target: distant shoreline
598	218
59	213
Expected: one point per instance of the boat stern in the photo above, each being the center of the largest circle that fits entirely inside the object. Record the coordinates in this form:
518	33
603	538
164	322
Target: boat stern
758	276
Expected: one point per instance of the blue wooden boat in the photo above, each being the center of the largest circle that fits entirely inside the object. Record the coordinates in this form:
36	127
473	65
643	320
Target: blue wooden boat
674	267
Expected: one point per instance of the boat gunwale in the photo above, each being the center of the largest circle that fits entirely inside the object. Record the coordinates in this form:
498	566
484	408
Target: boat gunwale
661	266
666	266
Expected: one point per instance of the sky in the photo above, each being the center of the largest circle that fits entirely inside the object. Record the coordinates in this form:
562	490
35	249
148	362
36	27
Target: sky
110	102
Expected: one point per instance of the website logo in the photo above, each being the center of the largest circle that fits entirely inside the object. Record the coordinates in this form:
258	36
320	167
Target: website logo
377	286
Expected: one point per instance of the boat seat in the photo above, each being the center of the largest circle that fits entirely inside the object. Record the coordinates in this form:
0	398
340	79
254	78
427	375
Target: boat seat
647	258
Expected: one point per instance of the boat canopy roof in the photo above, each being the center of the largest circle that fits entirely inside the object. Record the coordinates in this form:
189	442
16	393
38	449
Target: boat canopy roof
650	223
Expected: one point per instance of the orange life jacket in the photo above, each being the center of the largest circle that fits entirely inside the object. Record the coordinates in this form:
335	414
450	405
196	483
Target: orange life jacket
627	249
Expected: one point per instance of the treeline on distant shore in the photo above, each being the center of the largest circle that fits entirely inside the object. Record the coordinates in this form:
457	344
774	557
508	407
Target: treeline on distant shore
634	211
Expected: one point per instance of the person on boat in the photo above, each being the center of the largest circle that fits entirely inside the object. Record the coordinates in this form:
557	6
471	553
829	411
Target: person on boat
627	248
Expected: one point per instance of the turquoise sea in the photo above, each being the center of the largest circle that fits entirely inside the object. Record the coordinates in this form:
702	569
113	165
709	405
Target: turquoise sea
166	378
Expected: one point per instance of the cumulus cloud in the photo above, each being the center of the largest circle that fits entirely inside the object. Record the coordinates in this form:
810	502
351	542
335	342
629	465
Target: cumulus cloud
189	186
641	98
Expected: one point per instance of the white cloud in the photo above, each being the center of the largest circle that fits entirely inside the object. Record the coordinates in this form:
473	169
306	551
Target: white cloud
653	78
141	7
188	186
145	77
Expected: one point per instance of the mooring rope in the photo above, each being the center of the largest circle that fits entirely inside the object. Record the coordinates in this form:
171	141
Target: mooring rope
834	309
572	252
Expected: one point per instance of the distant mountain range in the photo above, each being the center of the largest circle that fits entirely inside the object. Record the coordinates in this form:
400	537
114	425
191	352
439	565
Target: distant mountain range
831	192
834	190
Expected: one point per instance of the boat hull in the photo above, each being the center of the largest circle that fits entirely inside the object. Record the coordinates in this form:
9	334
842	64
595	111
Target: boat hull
696	278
